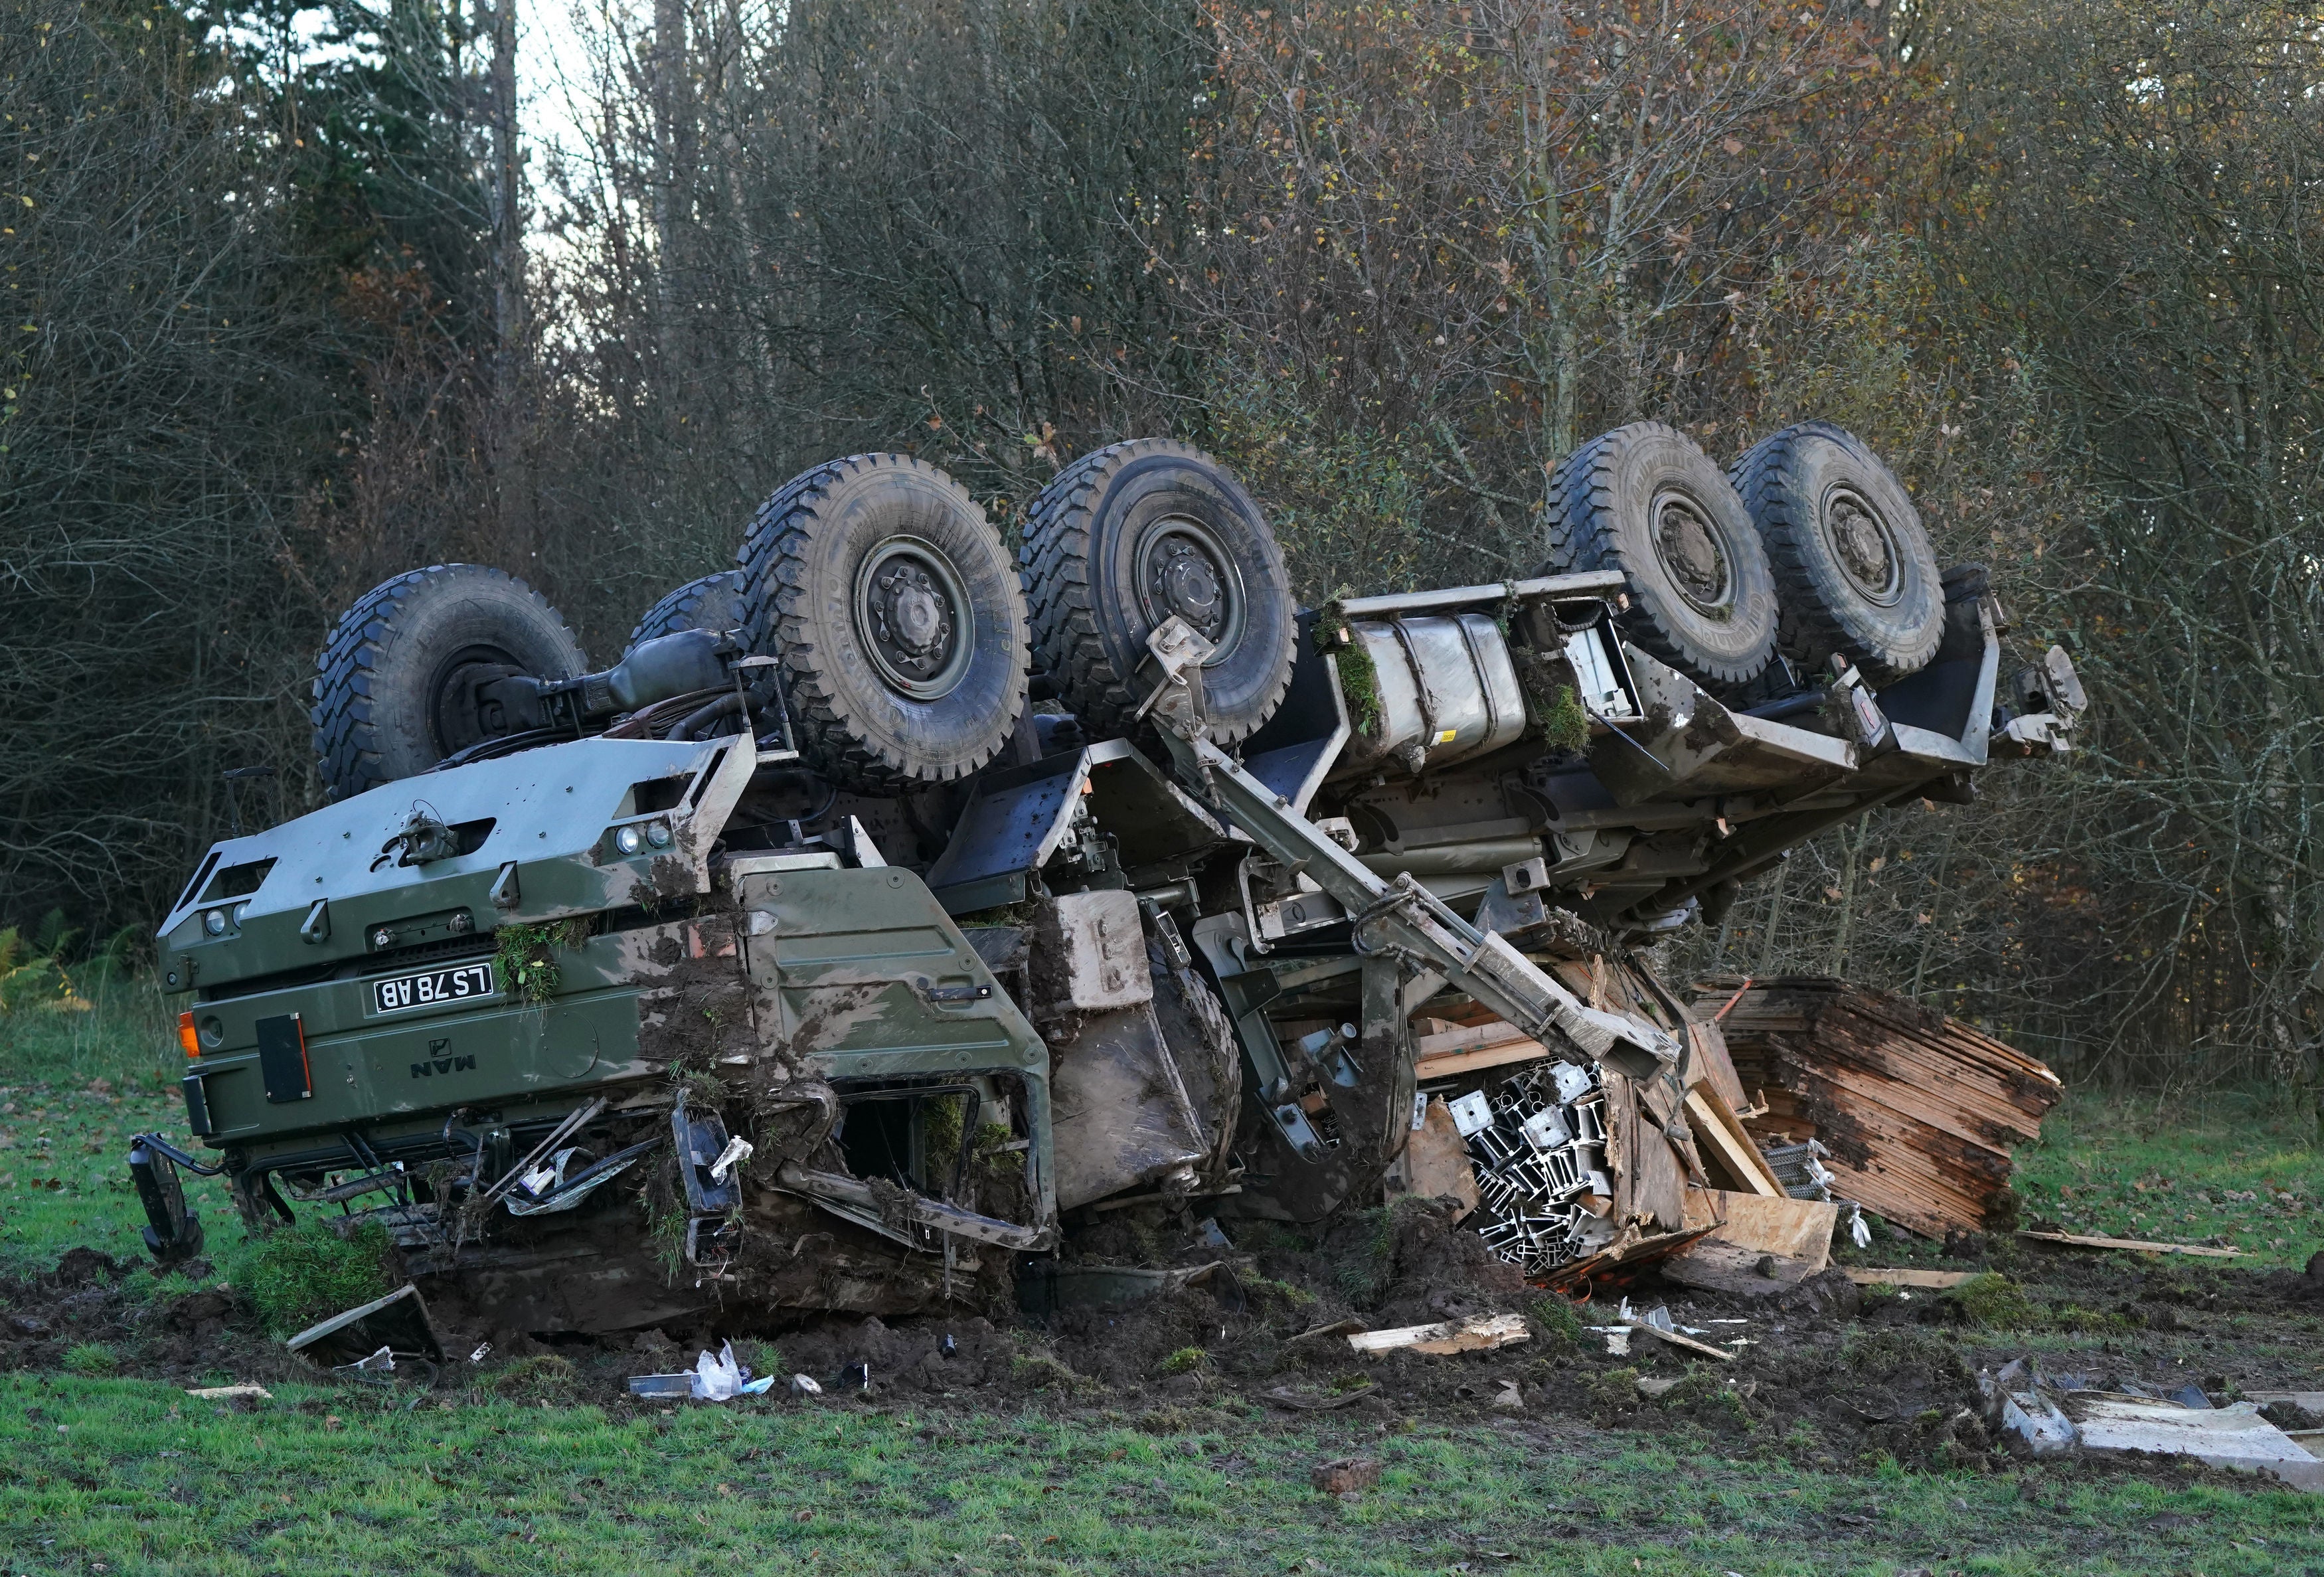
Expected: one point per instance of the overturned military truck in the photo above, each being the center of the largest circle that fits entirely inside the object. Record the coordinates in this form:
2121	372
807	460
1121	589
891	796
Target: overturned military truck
891	909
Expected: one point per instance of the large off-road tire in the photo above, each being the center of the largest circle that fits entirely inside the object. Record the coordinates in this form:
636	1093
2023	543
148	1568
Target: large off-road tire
898	619
391	685
713	603
1643	499
1853	565
1132	533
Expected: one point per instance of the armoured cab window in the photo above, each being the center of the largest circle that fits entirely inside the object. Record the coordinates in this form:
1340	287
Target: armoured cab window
236	881
654	794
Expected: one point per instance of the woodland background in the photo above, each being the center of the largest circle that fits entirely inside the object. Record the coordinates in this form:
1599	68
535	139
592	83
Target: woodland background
291	304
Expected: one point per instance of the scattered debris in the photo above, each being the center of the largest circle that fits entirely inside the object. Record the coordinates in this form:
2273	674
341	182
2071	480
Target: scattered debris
2138	1245
231	1394
378	1366
803	1384
2016	1402
1904	1276
2052	1415
1478	1333
484	1351
1679	1339
1917	1114
1655	1387
1348	1475
397	1323
714	1378
1510	1397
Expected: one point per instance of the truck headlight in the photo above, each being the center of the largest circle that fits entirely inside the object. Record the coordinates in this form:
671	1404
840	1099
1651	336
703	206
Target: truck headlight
213	922
629	839
658	835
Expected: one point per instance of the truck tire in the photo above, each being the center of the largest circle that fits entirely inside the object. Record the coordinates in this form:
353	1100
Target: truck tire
390	683
1854	566
1643	499
713	603
1132	533
898	619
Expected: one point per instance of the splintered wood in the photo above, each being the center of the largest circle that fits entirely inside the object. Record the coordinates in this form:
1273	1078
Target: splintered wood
1919	1111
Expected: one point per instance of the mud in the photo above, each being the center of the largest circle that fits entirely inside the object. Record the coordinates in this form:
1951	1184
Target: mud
1830	1376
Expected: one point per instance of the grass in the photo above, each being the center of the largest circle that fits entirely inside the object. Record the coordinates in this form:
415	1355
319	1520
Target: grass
509	1475
2233	1168
141	1478
298	1276
74	1087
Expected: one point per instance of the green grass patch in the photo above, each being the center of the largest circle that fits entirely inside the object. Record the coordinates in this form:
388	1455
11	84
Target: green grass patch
298	1275
2237	1168
1994	1302
144	1478
1560	1320
91	1358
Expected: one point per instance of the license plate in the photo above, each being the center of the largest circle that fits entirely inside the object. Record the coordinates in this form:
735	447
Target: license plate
430	987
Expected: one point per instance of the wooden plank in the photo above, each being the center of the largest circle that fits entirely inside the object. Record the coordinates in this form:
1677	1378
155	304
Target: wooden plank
1677	1339
1791	1228
1478	1333
1470	1062
1717	1127
1710	1063
2139	1245
1464	1037
1902	1276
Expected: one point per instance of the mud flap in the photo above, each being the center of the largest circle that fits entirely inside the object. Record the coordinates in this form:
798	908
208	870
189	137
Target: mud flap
173	1234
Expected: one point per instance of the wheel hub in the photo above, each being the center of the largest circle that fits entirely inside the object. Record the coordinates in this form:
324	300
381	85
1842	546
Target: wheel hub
1692	555
1862	545
910	610
1183	570
458	716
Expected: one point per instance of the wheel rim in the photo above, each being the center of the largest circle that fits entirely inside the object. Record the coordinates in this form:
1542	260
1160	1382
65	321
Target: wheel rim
1863	546
1693	557
1183	568
912	616
453	713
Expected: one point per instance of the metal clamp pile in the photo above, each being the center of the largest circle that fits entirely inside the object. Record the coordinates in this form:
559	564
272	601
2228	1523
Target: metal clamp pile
1539	1149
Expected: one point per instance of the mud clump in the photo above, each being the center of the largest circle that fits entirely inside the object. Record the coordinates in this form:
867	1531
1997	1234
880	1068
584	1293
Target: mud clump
90	1300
